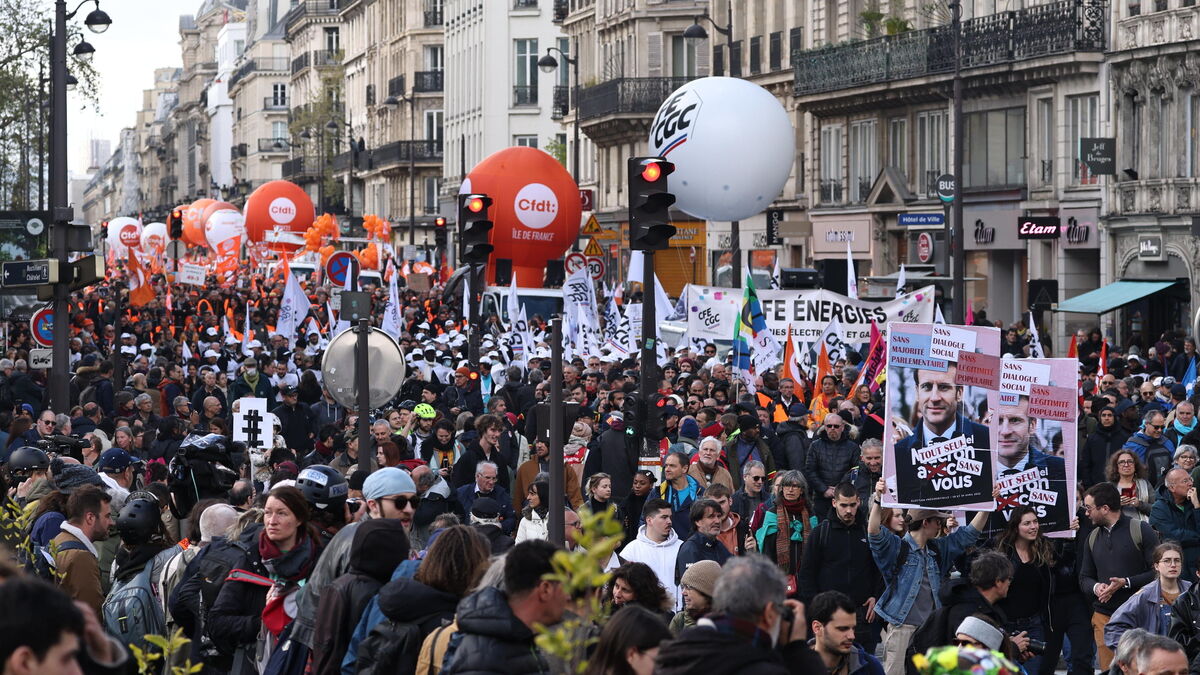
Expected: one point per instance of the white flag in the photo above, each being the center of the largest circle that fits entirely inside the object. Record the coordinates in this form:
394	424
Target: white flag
776	276
392	324
851	280
900	281
514	303
467	296
246	334
1035	340
187	351
293	309
937	314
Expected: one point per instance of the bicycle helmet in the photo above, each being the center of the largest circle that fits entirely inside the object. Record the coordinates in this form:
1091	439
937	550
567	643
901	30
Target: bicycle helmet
139	519
425	411
323	487
28	459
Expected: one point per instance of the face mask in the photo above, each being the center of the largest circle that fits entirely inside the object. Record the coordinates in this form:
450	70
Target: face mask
251	371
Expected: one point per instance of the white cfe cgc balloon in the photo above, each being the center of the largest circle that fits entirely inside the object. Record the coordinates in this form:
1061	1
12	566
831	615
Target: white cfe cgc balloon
223	225
732	144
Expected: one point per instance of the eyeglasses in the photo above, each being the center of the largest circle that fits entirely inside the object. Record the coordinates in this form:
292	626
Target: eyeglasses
1124	461
833	426
1171	561
46	421
400	501
1155	426
575	524
757	479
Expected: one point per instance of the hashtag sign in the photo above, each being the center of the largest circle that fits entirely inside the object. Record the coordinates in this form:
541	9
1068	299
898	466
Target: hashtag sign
252	427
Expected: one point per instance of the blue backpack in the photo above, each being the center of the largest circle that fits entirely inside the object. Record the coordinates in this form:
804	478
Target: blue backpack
132	609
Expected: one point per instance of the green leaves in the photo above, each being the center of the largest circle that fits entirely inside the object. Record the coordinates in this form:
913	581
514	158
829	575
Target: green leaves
166	658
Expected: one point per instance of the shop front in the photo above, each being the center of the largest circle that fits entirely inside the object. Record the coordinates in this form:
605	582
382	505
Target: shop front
830	235
996	262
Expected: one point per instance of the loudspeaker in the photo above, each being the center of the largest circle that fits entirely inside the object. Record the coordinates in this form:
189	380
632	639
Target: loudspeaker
833	274
798	277
556	276
503	271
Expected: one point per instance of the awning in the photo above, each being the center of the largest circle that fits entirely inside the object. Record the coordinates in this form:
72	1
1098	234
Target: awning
1112	296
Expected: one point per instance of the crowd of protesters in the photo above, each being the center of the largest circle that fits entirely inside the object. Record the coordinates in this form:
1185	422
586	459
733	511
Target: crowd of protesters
754	542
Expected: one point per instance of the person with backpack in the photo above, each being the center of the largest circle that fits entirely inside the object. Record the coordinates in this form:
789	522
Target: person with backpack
1117	559
251	610
89	516
913	568
132	610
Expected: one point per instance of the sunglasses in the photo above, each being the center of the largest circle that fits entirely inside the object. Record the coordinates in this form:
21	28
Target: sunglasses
967	643
401	501
757	479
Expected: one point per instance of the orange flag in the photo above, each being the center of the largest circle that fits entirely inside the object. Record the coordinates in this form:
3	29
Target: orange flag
140	290
1073	349
819	406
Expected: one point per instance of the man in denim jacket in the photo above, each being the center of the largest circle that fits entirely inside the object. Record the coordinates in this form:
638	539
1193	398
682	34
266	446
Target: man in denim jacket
911	593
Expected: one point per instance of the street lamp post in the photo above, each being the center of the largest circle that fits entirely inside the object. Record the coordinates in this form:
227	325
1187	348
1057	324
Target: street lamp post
97	21
694	34
958	309
548	64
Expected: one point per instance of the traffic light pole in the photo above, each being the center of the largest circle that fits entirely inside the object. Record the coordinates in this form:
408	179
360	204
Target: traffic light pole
648	375
959	308
60	212
478	276
557	534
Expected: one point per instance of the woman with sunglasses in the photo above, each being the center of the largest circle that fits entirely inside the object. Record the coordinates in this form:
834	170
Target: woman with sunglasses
1128	473
1150	608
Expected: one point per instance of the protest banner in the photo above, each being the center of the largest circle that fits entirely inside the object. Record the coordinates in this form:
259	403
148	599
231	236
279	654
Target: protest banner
1033	423
936	445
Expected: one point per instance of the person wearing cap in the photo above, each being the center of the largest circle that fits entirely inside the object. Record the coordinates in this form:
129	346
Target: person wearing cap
251	383
1108	438
913	568
697	587
297	420
116	468
486	516
832	617
487	485
747	445
1151	446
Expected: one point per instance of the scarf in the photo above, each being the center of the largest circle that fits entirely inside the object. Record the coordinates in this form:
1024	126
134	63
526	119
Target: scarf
1184	431
788	512
252	381
294	565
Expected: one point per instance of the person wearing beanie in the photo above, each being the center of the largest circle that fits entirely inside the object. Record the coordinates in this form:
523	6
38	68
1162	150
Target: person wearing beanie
979	630
1108	438
745	446
377	548
697	586
486	518
689	436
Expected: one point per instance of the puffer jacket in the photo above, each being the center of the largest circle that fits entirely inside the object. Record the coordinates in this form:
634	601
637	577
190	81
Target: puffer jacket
378	547
334	562
827	461
413	610
492	639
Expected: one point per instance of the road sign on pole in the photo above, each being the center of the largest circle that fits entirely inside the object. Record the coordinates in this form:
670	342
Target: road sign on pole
574	262
29	273
596	268
339	266
593	249
945	187
42	326
41	359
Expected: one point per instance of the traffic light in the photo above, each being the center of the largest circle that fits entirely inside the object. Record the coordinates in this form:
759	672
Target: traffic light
439	232
656	427
475	227
175	224
104	230
649	203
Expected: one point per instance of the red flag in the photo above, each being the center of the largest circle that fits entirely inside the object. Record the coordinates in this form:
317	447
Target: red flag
819	405
1103	369
1073	349
873	366
790	367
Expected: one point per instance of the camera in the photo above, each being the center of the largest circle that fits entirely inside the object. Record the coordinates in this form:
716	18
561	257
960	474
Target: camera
1036	647
62	446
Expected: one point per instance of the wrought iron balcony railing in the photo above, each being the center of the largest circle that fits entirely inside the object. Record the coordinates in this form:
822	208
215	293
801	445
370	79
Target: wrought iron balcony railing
427	81
831	191
642	95
273	145
524	95
1059	27
561	103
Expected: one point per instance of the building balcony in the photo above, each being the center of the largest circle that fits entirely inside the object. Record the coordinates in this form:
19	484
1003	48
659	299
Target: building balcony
524	96
561	102
301	167
395	86
274	145
635	98
832	191
908	60
265	64
324	58
524	4
275	103
433	18
1155	196
401	152
1162	26
301	62
561	9
425	81
304	9
361	161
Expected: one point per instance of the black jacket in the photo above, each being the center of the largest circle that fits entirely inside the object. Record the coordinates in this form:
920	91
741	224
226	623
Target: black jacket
299	426
1099	446
1185	625
704	649
378	547
616	458
493	639
236	615
827	461
699	547
793	444
464	469
194	596
1116	556
413	611
838	558
959	599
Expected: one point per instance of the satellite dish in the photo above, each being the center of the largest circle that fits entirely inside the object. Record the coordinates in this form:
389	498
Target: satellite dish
384	378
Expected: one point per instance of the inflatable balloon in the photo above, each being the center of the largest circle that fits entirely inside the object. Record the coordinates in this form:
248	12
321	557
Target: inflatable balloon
154	238
121	232
278	205
535	208
212	208
222	226
193	224
706	124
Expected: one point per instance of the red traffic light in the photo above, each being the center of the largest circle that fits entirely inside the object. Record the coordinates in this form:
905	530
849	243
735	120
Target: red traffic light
177	214
651	172
475	204
439	222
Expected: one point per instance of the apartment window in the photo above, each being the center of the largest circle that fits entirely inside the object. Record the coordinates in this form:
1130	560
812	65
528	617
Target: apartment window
832	138
564	69
898	143
1085	123
1045	143
755	55
864	159
1133	131
430	193
238	47
775	51
1162	149
1192	122
735	59
683	57
526	73
279	94
434	123
434	57
525	141
279	130
795	40
932	147
718	60
333	39
995	148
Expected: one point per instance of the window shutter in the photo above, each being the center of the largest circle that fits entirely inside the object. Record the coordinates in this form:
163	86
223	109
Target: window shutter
654	55
702	62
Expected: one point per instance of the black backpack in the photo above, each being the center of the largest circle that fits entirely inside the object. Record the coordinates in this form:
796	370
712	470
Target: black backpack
212	569
389	648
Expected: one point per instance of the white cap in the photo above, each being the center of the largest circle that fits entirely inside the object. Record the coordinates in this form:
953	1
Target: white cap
255	344
211	353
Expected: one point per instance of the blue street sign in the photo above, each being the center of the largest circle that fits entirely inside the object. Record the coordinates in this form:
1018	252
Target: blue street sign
916	219
42	326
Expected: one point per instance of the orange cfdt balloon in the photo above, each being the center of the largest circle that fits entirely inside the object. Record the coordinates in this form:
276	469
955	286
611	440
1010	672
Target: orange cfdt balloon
278	205
193	224
535	208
